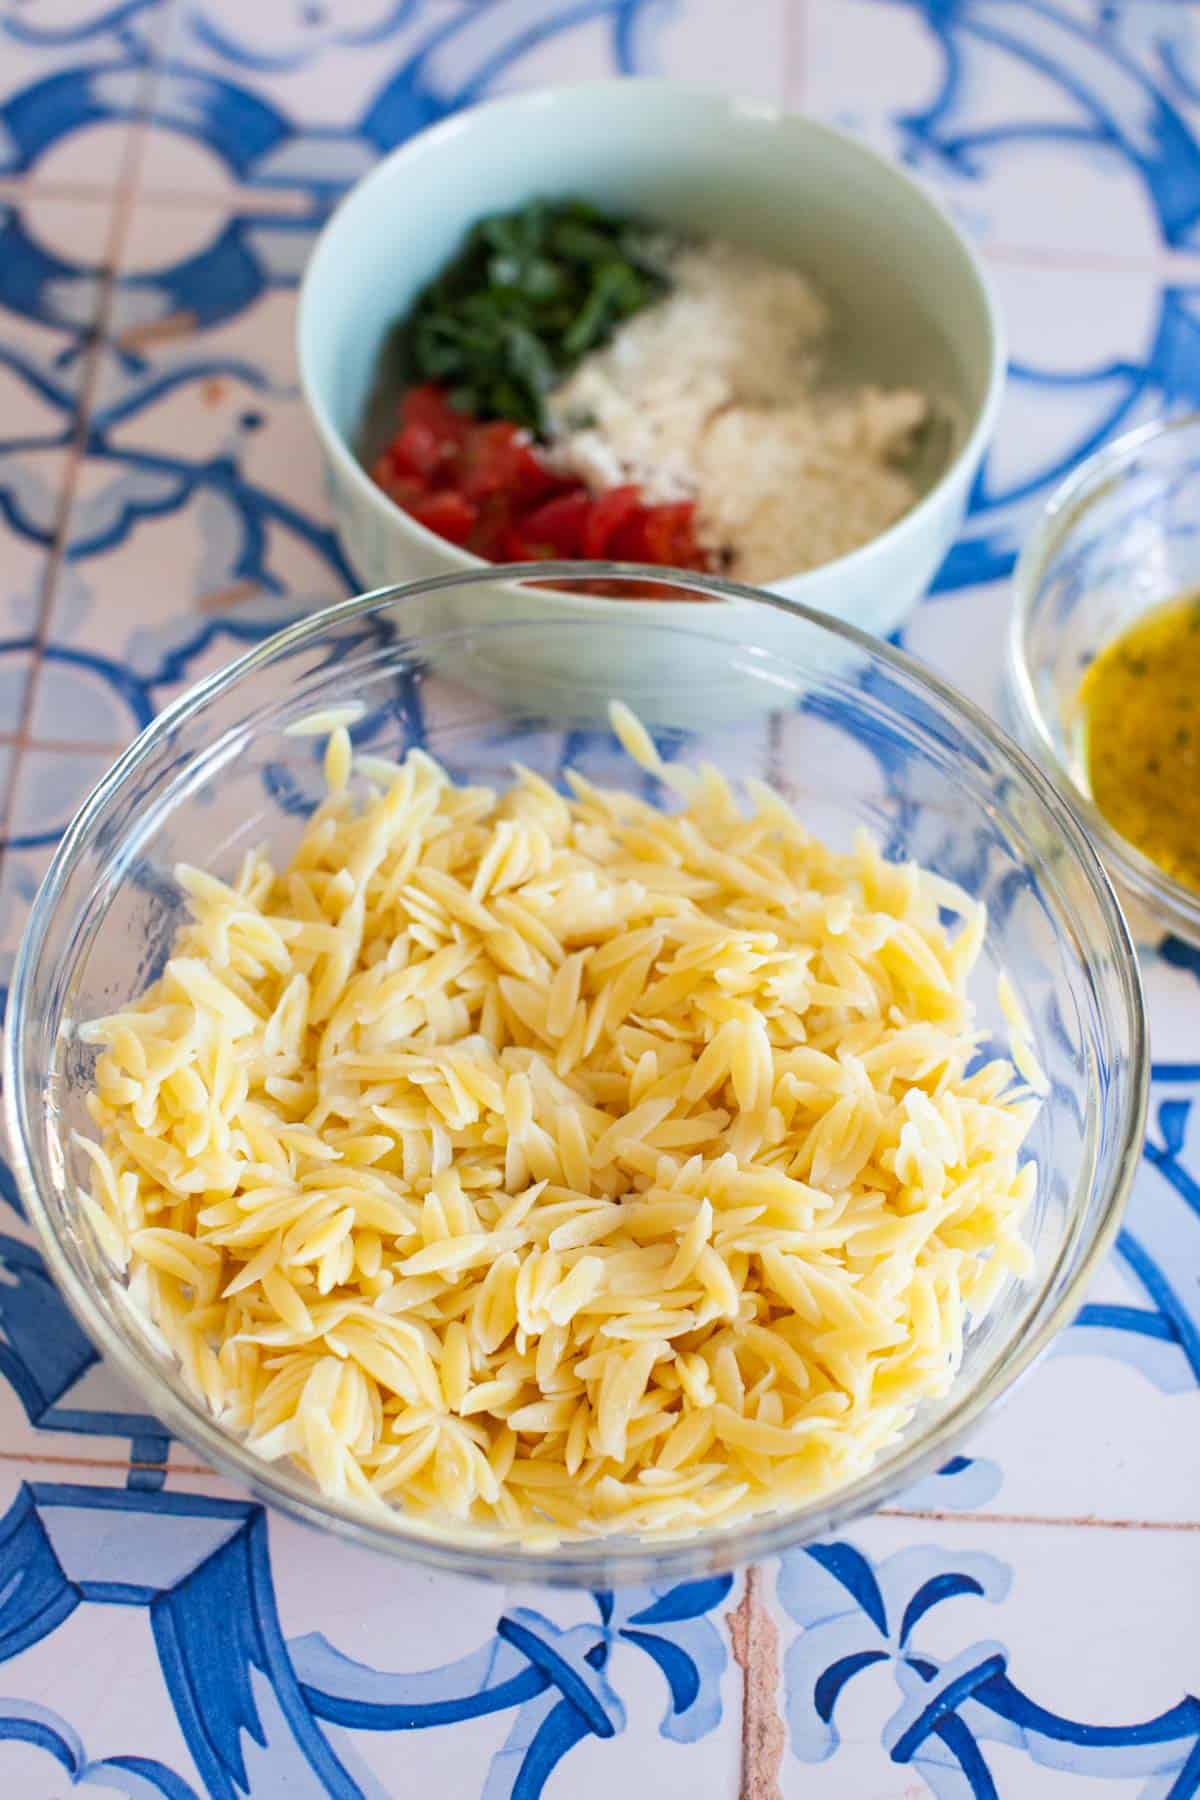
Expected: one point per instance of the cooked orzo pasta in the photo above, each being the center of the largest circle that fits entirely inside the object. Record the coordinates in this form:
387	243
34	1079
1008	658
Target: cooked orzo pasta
562	1165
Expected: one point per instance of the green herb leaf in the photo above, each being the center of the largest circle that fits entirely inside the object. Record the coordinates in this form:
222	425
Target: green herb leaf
528	295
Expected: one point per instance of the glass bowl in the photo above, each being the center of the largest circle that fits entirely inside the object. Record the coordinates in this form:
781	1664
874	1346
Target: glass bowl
1120	536
850	732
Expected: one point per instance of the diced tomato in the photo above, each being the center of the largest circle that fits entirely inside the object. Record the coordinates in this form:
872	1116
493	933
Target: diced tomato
609	512
451	515
688	554
532	478
428	405
661	534
560	522
417	450
495	513
628	541
513	546
487	460
383	469
485	485
668	529
498	458
403	489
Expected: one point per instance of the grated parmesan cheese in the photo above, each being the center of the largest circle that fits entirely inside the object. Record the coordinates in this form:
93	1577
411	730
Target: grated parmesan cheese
716	395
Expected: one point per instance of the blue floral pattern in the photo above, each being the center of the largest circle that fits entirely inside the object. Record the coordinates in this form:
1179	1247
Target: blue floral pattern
202	1569
854	1614
164	166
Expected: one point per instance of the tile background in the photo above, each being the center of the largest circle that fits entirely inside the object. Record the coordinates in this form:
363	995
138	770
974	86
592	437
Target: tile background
1021	1624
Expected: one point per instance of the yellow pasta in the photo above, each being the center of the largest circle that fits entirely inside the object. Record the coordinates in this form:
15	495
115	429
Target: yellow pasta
556	1166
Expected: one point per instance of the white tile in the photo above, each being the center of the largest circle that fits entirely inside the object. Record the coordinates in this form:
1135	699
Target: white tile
21	873
50	787
79	75
961	635
1160	38
693	41
305	98
1092	354
1091	1626
341	1621
199	522
57	1400
1034	132
50	288
352	1600
1171	978
690	40
1077	1440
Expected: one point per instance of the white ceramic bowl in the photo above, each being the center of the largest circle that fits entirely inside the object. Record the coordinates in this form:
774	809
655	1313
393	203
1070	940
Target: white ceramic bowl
912	304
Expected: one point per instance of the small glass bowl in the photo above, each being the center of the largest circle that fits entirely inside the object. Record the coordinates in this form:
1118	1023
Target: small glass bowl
1119	537
850	732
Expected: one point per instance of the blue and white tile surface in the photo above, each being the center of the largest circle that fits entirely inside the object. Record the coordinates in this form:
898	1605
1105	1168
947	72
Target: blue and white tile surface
1023	1625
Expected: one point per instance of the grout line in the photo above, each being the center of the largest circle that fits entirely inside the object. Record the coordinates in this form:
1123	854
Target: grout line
15	188
1175	265
103	1462
122	210
238	197
755	1640
235	197
120	198
9	740
1087	1521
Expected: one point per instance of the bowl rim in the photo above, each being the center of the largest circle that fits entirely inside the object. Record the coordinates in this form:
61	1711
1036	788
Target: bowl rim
1174	905
603	1561
624	93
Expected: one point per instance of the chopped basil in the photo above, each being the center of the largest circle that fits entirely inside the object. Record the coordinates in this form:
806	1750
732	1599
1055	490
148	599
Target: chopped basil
527	297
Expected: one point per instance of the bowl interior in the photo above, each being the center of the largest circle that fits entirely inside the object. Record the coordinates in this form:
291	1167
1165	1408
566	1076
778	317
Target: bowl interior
909	303
850	736
1121	538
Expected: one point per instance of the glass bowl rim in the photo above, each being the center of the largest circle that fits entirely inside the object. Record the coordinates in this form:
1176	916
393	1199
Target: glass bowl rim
589	1562
1173	904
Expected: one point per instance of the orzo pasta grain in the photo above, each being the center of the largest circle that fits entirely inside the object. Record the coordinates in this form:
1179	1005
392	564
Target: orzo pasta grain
562	1165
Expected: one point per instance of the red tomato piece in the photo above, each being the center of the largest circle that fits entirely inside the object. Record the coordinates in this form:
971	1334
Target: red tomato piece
487	458
499	458
427	405
485	485
560	522
451	515
515	547
495	515
688	554
666	528
512	546
663	534
416	450
532	478
628	542
382	469
609	512
405	490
